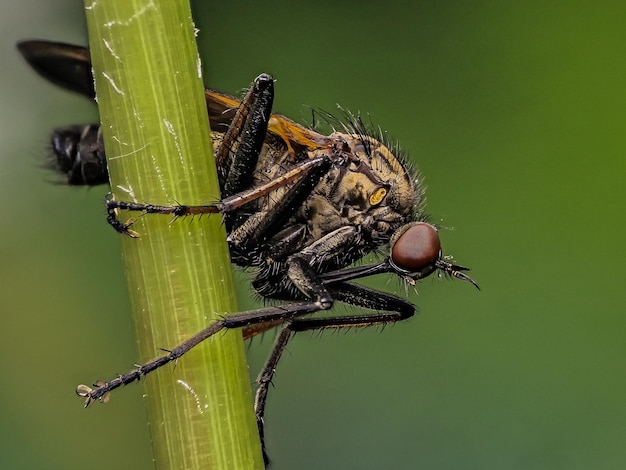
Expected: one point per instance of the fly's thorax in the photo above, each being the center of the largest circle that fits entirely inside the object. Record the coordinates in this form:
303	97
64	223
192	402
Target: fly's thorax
397	186
275	159
368	186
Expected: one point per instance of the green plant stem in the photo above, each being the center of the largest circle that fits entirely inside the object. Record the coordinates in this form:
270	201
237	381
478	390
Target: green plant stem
156	131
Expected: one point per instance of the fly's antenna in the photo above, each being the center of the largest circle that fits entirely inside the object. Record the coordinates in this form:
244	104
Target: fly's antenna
455	271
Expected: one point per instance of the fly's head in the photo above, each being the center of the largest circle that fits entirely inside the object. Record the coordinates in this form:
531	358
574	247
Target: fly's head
416	253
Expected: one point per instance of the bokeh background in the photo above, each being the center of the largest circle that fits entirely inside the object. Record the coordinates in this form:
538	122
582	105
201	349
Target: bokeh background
514	112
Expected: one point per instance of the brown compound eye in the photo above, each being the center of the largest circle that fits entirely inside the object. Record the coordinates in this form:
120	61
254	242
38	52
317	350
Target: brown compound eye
417	248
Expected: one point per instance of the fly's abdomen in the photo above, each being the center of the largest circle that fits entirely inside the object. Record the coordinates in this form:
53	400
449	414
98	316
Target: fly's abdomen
79	154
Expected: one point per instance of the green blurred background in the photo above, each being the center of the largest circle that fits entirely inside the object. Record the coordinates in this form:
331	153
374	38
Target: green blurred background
514	112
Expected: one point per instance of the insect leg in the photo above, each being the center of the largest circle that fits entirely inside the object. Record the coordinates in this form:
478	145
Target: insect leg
273	216
238	320
249	126
390	309
225	206
264	380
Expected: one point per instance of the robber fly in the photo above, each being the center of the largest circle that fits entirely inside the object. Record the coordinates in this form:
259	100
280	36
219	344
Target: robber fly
334	199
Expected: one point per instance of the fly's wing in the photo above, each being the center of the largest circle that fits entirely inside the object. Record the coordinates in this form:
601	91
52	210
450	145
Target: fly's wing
222	109
69	67
65	65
